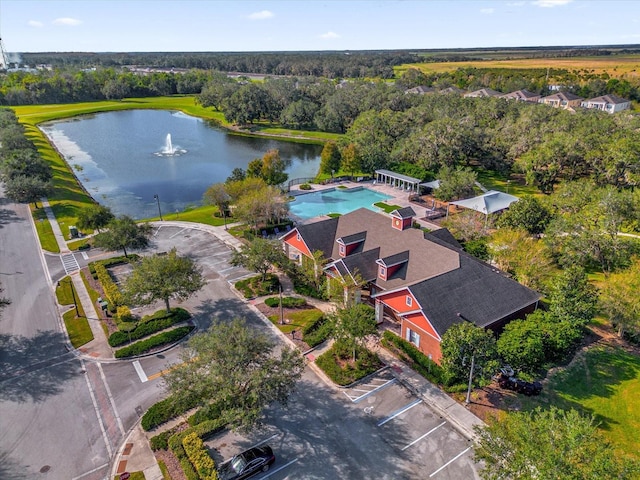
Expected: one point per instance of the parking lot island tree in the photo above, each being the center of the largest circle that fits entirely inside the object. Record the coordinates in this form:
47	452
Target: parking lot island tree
162	277
237	368
124	233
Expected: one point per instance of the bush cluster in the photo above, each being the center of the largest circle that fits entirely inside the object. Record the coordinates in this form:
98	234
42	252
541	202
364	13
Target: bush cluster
316	332
165	410
208	412
256	287
160	441
150	343
199	457
111	290
409	353
287	302
148	325
203	430
366	363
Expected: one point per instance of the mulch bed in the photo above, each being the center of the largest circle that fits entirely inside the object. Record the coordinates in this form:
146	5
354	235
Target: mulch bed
297	334
172	463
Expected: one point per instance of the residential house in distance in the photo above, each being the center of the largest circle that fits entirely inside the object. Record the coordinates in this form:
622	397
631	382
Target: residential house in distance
564	100
454	90
522	96
483	92
421	90
422	281
607	103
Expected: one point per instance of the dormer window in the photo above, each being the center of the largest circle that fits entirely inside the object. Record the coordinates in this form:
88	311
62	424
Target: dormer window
382	272
409	301
342	250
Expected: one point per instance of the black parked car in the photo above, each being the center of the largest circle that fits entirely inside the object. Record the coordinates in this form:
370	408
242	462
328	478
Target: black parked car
507	379
247	463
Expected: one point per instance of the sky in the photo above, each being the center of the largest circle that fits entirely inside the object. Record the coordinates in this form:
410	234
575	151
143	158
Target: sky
294	25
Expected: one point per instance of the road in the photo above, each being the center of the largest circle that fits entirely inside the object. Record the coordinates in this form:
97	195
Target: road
48	418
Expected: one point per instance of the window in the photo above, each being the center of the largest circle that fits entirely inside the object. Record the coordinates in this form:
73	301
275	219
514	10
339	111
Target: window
409	301
413	337
342	250
382	272
298	236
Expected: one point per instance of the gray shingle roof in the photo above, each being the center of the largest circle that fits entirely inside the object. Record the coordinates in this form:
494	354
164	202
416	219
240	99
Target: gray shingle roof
395	259
480	293
406	212
320	235
355	238
610	98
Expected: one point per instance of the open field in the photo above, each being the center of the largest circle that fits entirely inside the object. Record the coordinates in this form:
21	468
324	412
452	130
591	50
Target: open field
614	65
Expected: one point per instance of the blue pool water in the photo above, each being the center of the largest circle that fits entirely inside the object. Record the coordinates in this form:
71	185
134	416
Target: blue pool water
339	200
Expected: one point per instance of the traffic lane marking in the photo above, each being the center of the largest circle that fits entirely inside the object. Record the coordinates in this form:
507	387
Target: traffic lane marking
400	412
271	472
450	461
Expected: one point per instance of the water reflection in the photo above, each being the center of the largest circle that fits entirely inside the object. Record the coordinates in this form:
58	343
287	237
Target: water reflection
113	154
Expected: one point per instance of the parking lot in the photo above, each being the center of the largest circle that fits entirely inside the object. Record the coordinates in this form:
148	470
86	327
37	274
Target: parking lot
376	429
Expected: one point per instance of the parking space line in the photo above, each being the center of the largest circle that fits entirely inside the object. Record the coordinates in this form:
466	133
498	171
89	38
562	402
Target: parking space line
400	412
178	233
450	461
423	436
140	371
377	389
280	468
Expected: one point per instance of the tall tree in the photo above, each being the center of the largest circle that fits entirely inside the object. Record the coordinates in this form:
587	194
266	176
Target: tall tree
330	158
528	213
455	183
94	217
239	369
217	195
572	297
162	277
259	256
271	168
620	299
464	343
352	325
124	233
351	159
544	444
25	189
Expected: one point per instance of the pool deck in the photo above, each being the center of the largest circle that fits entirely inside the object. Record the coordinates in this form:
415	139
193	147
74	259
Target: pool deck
398	197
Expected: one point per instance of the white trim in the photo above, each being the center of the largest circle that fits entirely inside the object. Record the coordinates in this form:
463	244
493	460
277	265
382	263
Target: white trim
438	338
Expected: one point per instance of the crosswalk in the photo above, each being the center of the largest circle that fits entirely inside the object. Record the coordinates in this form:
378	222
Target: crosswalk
69	263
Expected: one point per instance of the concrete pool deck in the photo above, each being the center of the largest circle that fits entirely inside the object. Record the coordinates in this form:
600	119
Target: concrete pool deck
398	197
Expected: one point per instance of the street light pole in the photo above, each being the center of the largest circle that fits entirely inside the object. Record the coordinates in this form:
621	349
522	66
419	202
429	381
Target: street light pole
158	202
473	363
73	294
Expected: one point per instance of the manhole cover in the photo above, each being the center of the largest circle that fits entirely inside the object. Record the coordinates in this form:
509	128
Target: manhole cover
45	469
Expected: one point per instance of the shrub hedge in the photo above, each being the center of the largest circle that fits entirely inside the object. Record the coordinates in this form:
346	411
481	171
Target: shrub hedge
165	410
408	352
200	459
287	302
148	325
203	430
150	343
160	441
316	332
111	290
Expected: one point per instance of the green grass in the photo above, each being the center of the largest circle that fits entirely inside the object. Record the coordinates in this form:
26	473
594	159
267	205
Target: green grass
495	181
77	243
77	327
385	207
65	291
296	320
47	239
604	382
140	475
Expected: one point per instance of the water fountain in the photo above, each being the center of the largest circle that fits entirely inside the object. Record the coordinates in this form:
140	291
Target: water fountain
169	150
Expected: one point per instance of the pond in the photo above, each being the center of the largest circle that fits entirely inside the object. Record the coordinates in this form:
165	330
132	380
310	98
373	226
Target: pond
124	159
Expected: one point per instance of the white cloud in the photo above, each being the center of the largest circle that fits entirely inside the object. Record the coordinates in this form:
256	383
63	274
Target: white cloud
487	11
515	4
67	21
263	15
550	3
329	35
35	23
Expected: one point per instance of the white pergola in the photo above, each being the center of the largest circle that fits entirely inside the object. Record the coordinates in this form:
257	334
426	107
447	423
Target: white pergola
397	180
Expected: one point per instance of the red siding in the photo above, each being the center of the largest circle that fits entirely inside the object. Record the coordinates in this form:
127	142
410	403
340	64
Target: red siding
292	240
419	320
398	301
428	344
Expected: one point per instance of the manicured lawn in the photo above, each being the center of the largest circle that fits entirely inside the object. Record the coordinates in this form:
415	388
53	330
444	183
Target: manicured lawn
45	232
77	327
386	208
605	382
297	319
65	291
494	181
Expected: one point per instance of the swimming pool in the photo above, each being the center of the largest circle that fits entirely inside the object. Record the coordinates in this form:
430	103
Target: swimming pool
335	200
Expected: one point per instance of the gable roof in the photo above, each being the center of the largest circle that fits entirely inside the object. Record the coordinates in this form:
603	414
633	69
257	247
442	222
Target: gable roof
433	259
449	90
562	96
475	290
320	235
610	98
406	212
524	95
483	92
420	90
